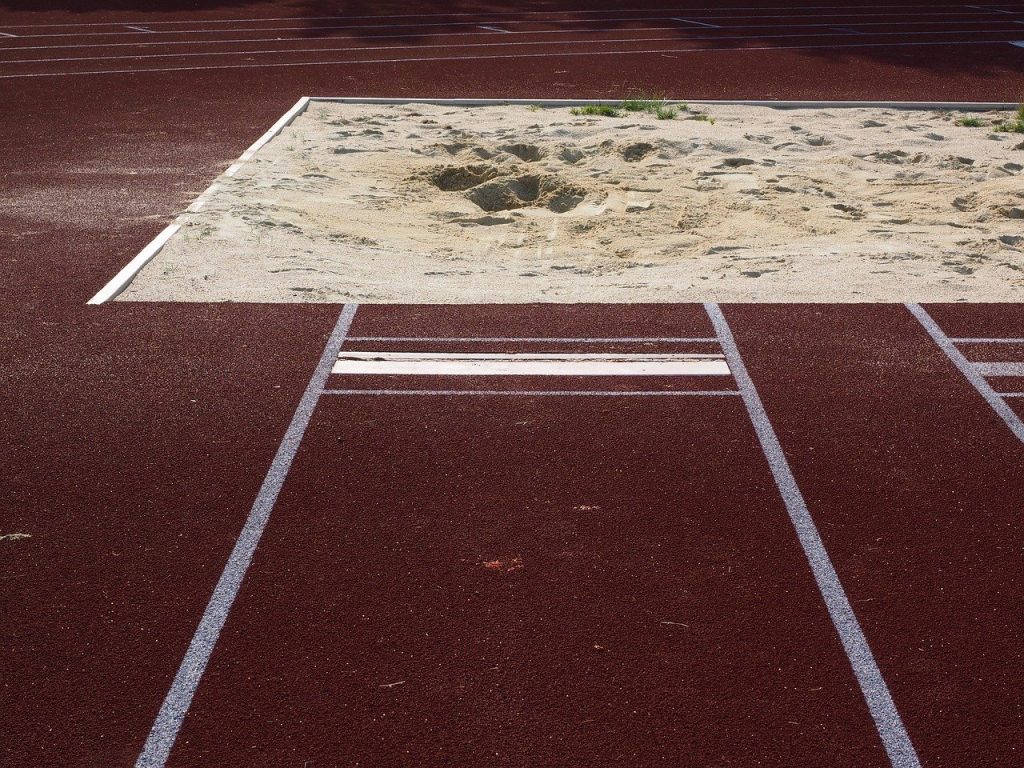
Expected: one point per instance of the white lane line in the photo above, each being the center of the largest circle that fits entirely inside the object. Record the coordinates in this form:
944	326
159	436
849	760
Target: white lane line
494	29
989	10
256	20
999	369
454	46
239	41
1018	43
139	29
987	340
176	704
7	34
1010	394
883	710
527	364
540	339
1005	412
498	57
121	280
529	393
697	23
801	11
507	22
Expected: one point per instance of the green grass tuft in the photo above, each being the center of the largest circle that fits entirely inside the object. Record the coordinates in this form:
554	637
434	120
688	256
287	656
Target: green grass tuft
604	110
665	112
970	122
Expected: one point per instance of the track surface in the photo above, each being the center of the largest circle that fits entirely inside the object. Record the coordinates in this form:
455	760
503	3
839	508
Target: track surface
139	435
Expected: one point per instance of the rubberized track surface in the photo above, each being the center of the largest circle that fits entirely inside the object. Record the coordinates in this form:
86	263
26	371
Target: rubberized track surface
137	437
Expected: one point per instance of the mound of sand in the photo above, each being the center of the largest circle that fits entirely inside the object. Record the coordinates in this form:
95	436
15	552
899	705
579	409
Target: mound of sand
424	203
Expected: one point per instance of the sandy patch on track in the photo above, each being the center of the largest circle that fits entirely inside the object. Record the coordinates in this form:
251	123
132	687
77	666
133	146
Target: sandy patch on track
426	203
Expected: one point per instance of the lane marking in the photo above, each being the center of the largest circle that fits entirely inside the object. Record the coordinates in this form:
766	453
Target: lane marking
698	23
7	34
531	392
176	704
424	25
1010	394
139	29
452	46
138	44
987	340
121	280
494	29
887	719
563	54
539	339
999	369
1005	412
527	364
1018	43
251	19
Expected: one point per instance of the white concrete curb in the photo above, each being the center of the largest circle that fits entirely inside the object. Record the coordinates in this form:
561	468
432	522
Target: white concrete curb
122	279
128	273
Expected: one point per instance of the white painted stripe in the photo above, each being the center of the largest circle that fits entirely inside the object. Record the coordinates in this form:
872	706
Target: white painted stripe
7	34
121	280
1010	394
530	392
541	339
802	9
697	23
1018	43
498	57
454	46
164	731
999	369
515	364
987	340
138	29
996	403
494	29
876	694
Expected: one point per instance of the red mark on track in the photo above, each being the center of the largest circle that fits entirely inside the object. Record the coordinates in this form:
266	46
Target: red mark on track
508	566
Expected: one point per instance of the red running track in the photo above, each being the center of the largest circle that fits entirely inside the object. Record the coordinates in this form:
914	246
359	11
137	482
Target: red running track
138	436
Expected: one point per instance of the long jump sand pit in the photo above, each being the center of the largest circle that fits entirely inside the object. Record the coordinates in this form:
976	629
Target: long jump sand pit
429	203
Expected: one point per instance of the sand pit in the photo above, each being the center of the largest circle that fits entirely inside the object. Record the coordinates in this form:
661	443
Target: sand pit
427	203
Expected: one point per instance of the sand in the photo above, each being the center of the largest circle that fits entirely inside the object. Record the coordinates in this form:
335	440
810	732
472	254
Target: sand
439	204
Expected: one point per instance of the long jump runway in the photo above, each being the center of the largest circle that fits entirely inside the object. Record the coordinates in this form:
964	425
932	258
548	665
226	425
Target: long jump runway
452	561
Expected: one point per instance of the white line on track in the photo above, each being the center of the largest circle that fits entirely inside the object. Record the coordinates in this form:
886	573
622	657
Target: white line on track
999	369
559	54
533	392
697	23
495	29
996	403
423	25
883	710
255	20
511	43
7	34
538	339
172	712
528	364
138	29
987	340
286	40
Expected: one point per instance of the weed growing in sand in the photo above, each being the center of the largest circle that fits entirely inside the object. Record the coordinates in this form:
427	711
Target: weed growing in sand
970	122
533	107
652	105
665	112
704	118
322	113
604	110
1013	126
